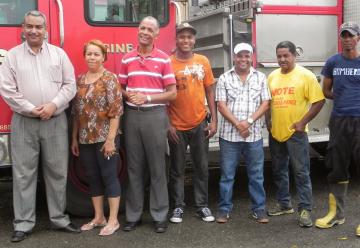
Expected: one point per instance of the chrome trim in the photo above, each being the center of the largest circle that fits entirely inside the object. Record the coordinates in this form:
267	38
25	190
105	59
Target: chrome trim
178	12
61	22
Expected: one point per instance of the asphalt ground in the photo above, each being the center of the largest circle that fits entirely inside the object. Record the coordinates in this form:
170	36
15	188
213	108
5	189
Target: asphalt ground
240	231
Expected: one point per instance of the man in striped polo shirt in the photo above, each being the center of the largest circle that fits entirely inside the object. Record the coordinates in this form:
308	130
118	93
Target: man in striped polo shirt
148	84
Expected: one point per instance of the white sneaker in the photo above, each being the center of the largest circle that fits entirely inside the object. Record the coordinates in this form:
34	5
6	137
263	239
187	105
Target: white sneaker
177	215
206	215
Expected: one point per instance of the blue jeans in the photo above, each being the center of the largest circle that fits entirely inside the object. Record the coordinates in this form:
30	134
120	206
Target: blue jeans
253	154
296	148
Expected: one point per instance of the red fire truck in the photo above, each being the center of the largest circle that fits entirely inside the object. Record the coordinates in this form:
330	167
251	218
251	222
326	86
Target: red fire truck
70	25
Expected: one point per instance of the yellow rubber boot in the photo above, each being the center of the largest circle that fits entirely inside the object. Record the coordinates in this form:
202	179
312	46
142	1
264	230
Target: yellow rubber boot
358	231
325	222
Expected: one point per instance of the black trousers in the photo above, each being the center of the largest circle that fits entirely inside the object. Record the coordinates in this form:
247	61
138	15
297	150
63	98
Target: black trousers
101	172
343	147
199	146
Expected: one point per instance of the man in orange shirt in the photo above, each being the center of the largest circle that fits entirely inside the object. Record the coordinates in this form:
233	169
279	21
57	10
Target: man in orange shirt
189	127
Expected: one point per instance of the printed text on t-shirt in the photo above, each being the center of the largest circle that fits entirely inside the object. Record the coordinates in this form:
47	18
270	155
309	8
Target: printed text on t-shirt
346	71
283	97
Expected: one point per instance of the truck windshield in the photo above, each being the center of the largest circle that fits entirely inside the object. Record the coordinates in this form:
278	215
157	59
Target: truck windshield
124	12
12	11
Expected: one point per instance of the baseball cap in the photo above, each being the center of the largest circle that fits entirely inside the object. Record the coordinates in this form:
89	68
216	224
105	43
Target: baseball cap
351	27
243	47
185	26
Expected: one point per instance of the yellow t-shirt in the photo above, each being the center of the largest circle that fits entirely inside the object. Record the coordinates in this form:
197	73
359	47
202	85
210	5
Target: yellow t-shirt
192	76
292	94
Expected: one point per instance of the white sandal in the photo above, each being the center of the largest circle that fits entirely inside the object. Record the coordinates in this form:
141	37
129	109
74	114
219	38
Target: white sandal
106	231
91	225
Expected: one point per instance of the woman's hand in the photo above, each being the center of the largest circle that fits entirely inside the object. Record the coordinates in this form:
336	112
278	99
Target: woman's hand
75	147
108	148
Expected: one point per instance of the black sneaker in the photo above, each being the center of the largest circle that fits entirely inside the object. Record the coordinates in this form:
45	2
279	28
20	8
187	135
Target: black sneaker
206	215
280	210
177	215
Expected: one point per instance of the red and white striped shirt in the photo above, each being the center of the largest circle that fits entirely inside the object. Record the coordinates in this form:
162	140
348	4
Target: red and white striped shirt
148	75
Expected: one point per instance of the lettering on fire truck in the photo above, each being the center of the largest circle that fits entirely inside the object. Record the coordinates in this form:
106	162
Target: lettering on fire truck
120	48
4	128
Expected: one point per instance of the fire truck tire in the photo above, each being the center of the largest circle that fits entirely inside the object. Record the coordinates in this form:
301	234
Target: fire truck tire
78	202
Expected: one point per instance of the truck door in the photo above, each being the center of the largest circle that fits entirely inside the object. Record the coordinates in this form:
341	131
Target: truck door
11	17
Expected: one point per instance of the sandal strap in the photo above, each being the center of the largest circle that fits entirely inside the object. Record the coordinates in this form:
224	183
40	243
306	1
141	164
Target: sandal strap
109	230
91	225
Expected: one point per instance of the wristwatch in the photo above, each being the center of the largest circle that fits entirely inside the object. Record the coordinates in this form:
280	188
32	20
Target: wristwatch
148	98
250	121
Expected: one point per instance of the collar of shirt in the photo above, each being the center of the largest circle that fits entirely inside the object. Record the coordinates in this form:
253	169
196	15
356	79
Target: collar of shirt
239	83
152	54
251	72
28	48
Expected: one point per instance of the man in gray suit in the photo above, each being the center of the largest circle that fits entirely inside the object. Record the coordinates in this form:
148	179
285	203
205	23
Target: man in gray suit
37	81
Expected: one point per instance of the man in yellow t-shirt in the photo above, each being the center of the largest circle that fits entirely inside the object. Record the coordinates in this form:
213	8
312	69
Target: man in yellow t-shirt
188	124
296	99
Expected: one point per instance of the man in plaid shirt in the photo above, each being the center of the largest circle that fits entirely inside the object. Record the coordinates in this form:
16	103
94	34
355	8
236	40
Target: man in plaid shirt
243	96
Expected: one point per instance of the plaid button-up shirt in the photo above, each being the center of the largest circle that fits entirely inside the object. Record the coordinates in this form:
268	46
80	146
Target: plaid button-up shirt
242	99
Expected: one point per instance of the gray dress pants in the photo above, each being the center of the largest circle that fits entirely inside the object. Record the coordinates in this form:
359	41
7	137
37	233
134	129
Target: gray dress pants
30	139
145	143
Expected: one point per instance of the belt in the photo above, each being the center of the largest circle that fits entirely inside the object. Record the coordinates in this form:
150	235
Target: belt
38	117
144	109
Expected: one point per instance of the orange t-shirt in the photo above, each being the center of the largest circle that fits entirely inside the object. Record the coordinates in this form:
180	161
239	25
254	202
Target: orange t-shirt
192	76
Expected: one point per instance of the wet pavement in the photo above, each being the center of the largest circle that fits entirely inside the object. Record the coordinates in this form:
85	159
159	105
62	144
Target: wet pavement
240	231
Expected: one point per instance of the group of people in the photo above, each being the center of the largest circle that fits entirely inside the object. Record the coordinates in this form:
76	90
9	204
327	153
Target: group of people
163	102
